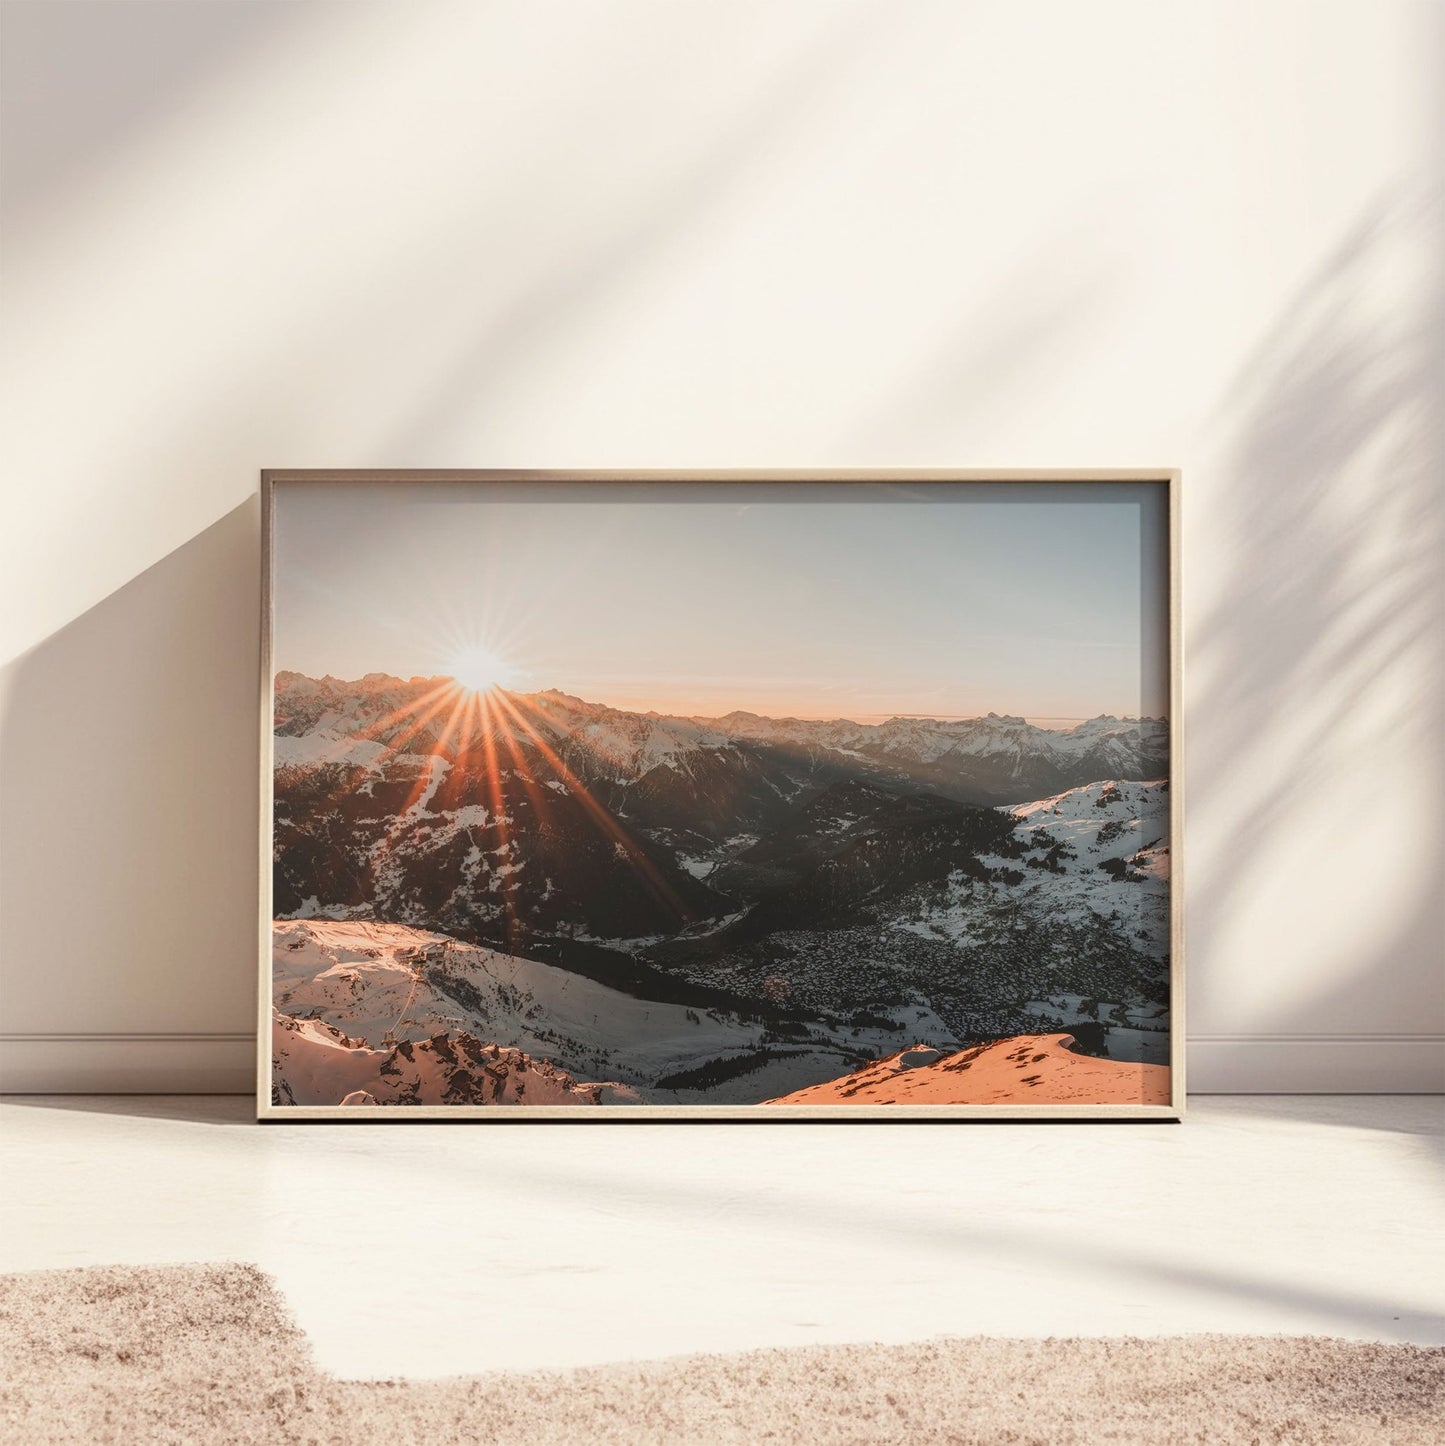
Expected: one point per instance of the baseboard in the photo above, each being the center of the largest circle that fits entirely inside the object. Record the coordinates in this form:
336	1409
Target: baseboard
1316	1064
127	1064
225	1064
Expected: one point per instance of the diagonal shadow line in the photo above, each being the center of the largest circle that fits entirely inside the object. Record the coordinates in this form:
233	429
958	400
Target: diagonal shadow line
149	697
820	1209
1032	310
863	1222
526	324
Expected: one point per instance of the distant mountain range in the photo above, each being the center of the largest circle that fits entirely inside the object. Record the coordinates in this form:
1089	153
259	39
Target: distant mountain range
989	760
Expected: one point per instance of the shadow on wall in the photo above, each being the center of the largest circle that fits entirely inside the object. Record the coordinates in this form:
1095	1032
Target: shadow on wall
128	856
134	64
1317	680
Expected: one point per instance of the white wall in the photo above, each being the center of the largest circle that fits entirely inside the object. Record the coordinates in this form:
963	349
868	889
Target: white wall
725	234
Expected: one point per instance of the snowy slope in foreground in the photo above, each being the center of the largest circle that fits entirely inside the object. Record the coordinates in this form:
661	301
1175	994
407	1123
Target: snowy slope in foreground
347	984
1030	1069
370	979
313	1063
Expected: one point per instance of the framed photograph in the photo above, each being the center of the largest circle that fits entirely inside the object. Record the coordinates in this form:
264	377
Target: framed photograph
720	795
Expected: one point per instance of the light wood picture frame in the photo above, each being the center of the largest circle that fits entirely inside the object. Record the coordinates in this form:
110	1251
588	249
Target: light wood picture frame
721	795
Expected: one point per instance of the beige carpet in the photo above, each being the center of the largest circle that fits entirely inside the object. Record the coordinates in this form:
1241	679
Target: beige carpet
209	1354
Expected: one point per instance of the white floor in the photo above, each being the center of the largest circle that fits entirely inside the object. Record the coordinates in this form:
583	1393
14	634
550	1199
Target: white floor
434	1249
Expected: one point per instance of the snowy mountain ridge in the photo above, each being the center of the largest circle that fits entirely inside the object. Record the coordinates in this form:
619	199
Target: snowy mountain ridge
994	758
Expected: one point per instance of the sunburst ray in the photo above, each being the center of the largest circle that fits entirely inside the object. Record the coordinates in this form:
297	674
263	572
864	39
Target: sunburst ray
641	865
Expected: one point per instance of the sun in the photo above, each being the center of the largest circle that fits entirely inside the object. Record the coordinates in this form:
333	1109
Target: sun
479	670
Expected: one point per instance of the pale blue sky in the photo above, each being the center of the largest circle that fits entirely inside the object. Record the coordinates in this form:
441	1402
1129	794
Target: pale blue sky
815	600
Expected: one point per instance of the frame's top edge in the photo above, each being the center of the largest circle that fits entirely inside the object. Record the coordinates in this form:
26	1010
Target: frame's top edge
270	476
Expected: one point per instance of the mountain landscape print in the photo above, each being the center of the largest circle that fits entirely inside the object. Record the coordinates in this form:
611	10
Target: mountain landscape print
714	796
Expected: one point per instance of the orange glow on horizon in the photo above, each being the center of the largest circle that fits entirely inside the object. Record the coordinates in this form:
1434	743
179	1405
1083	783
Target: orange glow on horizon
486	673
811	710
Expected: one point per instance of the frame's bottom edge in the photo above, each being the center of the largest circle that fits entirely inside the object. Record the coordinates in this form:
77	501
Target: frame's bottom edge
101	1064
718	1114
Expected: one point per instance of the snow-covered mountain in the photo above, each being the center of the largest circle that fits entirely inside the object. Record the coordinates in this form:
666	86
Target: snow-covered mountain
1101	851
315	1063
723	909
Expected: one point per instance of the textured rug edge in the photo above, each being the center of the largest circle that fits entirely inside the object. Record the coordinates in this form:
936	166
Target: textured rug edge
211	1352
